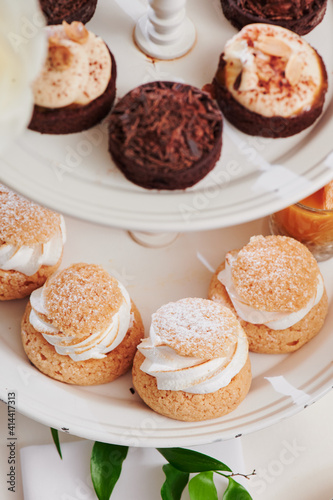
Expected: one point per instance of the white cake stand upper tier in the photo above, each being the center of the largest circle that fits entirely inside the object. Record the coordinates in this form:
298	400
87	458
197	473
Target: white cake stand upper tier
254	177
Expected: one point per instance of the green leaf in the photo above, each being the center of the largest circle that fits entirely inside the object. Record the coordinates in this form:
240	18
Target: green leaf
236	491
105	467
191	461
174	484
202	487
55	436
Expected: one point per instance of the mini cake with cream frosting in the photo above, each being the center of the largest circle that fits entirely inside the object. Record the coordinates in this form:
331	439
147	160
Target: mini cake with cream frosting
301	17
270	82
81	327
68	10
275	288
31	244
195	364
77	85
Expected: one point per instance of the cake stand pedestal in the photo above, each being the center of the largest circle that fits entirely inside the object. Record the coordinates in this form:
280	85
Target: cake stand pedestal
153	240
165	32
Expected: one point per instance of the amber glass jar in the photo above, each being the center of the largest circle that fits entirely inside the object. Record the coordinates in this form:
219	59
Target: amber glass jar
308	223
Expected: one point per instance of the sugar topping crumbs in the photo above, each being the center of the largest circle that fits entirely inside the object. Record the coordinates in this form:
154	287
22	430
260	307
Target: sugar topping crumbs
196	327
82	299
275	273
23	222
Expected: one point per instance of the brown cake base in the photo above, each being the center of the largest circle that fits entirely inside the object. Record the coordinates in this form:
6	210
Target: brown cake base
73	119
154	148
16	285
169	180
68	10
188	407
89	372
252	123
307	19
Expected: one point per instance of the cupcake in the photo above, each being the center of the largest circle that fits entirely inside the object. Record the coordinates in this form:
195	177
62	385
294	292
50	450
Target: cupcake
81	327
165	135
300	17
270	82
195	364
31	244
275	288
68	10
77	85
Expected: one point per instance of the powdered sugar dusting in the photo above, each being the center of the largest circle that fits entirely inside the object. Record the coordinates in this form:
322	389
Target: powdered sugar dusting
82	299
196	327
23	222
275	273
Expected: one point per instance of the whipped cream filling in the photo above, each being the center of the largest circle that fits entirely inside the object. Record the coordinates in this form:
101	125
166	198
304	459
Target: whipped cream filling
85	78
273	320
189	374
272	71
28	259
97	345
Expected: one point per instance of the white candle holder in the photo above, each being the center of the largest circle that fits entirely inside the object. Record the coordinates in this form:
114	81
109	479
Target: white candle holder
165	32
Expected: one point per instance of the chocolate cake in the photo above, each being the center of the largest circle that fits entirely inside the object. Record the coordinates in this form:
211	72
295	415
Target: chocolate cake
75	118
270	82
77	86
300	16
165	135
68	10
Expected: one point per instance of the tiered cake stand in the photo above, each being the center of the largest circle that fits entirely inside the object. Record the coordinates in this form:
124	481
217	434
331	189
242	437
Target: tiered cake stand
192	229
